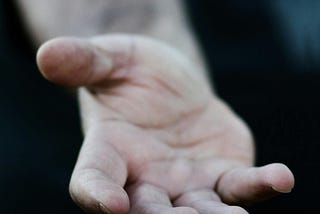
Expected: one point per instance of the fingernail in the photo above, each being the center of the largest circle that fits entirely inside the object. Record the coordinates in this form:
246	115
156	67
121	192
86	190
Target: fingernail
104	209
281	191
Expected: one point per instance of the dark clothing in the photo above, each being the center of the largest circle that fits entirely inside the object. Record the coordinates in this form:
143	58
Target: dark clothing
39	129
261	68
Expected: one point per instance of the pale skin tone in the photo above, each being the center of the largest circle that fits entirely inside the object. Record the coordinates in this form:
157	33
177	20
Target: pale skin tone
157	138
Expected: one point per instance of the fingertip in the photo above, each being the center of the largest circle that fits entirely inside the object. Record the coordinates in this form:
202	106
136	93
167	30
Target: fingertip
280	177
99	196
112	202
108	202
42	55
52	56
67	61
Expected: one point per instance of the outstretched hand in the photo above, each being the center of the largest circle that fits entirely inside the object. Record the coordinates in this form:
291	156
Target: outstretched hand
157	139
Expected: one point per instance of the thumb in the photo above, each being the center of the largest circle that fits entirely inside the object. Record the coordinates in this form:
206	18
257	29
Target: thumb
254	184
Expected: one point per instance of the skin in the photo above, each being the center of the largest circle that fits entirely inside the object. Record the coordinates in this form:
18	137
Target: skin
157	139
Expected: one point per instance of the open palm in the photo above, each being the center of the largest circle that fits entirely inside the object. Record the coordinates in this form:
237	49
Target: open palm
157	139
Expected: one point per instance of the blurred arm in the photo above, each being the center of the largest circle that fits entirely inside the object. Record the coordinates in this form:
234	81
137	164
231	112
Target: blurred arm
164	20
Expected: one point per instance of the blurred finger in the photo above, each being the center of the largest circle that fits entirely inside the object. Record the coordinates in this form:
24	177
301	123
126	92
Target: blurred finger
207	202
149	199
98	178
80	62
254	184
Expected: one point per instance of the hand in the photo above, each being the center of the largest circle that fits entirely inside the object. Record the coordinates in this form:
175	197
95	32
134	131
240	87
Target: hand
157	139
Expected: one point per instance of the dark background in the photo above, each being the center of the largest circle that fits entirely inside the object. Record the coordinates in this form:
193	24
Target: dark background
264	62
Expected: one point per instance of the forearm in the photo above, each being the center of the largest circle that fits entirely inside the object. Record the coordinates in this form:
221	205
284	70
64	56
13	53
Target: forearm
164	20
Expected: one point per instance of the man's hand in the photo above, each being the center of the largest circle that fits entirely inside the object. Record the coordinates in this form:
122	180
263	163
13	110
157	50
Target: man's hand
157	139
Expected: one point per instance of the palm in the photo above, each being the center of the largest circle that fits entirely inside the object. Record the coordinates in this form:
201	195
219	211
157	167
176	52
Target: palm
153	127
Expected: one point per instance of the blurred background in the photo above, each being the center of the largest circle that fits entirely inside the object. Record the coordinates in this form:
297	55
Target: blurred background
264	61
39	128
